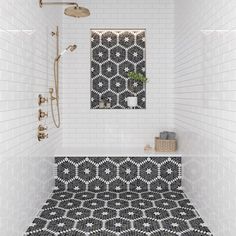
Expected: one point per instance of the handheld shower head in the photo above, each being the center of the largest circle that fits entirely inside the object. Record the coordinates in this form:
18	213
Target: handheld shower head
70	48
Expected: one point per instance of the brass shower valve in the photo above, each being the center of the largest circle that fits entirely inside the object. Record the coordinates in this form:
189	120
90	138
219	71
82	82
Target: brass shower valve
42	114
42	128
42	99
42	135
41	132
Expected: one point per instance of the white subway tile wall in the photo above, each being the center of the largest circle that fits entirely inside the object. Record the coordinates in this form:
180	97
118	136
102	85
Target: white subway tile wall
191	51
205	108
26	57
83	127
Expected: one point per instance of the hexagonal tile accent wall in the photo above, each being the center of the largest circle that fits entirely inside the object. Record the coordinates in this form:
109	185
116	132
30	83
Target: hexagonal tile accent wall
136	174
114	53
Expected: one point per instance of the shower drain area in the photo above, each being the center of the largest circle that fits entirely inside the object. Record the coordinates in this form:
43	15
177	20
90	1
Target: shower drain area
129	196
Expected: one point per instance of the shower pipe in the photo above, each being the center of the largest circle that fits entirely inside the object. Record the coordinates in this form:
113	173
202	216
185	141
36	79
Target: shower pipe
41	3
70	48
56	83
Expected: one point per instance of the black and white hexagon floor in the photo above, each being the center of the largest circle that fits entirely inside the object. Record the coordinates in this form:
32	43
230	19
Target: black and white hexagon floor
124	196
126	214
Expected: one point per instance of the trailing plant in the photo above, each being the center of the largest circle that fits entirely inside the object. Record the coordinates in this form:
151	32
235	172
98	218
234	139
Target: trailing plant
137	76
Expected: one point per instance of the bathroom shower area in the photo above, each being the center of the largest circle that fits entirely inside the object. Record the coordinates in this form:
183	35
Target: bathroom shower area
117	118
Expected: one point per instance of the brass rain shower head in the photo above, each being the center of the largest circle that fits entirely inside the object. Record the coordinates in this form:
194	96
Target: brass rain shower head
77	11
74	10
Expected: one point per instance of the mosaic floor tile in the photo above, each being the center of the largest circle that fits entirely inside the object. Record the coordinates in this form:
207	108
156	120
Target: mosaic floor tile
124	214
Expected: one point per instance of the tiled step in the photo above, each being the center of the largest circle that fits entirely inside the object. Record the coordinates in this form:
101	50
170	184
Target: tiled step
118	173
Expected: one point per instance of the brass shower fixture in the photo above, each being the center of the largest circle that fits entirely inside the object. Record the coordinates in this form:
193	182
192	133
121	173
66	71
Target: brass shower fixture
42	114
41	3
54	92
74	10
42	100
70	48
42	136
51	90
42	132
54	33
42	128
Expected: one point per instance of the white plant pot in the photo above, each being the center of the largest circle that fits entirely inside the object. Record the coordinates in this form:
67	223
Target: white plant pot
132	102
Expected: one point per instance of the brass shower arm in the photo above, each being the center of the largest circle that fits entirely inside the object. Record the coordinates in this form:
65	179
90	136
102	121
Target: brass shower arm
41	3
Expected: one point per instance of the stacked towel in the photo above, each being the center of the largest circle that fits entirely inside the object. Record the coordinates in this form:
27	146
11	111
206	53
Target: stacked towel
166	135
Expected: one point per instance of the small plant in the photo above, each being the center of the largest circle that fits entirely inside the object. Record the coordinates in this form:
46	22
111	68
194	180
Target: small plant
133	100
137	76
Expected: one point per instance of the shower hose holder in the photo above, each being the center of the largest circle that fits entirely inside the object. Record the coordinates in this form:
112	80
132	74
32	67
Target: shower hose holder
51	94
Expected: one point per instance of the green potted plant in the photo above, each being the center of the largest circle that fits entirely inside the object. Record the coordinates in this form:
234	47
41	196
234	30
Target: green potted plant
132	101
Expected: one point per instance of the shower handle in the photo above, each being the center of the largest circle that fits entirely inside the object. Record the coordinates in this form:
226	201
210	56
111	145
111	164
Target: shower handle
42	99
42	136
42	114
41	132
42	128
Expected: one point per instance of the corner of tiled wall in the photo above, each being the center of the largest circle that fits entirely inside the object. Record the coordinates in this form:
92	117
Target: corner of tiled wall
205	108
26	57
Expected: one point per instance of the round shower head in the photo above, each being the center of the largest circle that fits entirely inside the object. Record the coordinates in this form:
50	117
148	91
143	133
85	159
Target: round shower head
74	10
77	11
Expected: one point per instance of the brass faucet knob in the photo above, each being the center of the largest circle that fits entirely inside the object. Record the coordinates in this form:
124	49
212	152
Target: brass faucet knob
42	128
42	99
42	114
42	136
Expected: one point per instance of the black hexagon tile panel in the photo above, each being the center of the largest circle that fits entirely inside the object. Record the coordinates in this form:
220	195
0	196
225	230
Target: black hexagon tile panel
136	174
118	196
124	214
114	53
